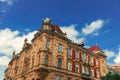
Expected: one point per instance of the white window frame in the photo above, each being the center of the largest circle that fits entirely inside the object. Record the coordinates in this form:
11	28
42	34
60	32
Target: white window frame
77	66
77	54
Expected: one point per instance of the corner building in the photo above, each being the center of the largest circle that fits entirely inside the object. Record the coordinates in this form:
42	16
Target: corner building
52	56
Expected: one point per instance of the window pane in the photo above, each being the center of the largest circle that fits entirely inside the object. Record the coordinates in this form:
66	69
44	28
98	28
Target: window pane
59	63
69	51
76	54
46	59
69	66
60	77
77	68
60	47
56	77
83	71
47	43
82	56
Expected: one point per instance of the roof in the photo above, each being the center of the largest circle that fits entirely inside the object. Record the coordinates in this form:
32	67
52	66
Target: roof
94	48
56	28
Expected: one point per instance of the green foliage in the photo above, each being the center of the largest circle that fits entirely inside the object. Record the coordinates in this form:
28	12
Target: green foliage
111	76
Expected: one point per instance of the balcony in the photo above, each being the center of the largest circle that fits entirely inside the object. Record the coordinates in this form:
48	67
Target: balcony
86	75
45	50
86	62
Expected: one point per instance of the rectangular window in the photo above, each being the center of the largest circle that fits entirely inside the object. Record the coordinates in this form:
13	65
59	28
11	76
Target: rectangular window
60	78
86	57
77	69
90	59
92	72
77	54
60	47
83	70
69	51
87	71
82	56
47	43
69	66
56	77
97	73
59	63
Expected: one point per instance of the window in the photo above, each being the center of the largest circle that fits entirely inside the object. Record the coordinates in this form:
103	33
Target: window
69	78
60	78
77	69
83	70
77	54
39	60
47	43
92	72
87	71
90	59
32	61
46	59
60	47
56	77
82	56
69	51
69	66
97	73
86	57
59	63
96	61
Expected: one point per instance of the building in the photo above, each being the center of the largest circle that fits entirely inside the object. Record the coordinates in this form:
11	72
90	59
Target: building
52	56
115	68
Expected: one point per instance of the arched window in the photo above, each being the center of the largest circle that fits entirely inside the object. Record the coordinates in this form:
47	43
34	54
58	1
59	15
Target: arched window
46	59
59	63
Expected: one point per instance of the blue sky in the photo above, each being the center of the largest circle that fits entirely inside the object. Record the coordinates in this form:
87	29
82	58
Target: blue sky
93	21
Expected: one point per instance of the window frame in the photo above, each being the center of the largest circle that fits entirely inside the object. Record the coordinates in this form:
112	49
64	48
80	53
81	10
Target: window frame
46	60
77	68
59	63
47	43
77	54
60	47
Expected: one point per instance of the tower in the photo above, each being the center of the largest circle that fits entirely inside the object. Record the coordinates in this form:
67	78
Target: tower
47	24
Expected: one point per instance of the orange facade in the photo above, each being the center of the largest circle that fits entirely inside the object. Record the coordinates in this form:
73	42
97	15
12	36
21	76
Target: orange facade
52	56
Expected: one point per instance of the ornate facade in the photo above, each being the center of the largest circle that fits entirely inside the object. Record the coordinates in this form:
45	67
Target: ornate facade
52	56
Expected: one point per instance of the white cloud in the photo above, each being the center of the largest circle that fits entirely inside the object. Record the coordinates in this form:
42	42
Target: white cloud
9	2
92	27
109	53
72	33
10	40
4	60
117	59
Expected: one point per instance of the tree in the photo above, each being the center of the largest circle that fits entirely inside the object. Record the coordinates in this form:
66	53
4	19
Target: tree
111	76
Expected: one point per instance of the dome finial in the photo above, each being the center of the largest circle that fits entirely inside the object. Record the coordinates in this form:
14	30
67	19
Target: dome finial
47	20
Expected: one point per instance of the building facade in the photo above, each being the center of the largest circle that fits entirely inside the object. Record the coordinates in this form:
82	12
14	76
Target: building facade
52	56
115	68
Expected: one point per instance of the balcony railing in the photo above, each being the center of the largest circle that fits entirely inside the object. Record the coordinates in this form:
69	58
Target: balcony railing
86	75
